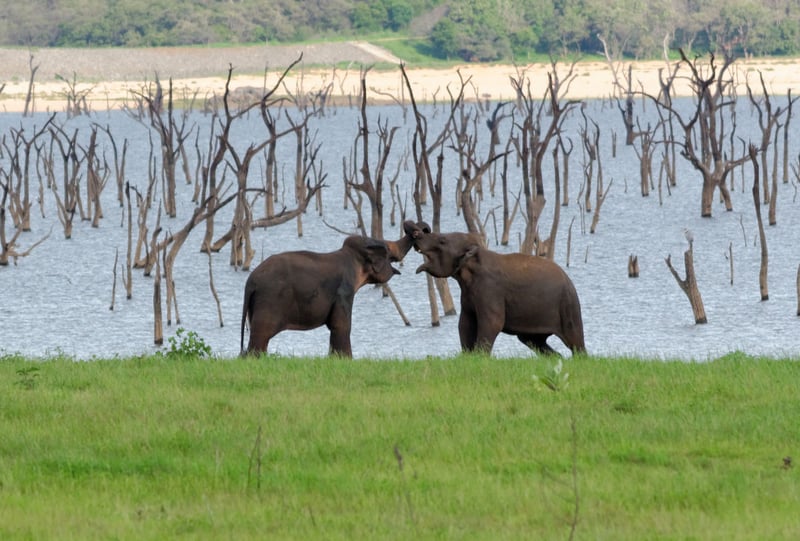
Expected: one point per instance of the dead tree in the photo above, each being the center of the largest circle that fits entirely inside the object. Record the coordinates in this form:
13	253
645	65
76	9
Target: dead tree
221	147
97	174
172	136
119	163
645	152
8	246
689	284
30	95
532	145
769	122
591	144
464	140
428	182
243	222
76	99
508	213
271	162
128	273
143	204
762	237
705	131
790	102
371	182
69	200
797	284
633	266
20	154
158	326
565	153
172	243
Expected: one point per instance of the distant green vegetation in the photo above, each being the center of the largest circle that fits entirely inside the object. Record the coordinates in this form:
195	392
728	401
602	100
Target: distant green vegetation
470	447
479	30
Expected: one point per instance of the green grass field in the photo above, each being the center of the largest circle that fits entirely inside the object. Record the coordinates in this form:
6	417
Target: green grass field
468	447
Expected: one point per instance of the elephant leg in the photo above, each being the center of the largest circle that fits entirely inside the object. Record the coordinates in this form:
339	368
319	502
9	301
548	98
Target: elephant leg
538	343
340	326
487	334
257	344
262	329
263	326
340	343
467	330
574	341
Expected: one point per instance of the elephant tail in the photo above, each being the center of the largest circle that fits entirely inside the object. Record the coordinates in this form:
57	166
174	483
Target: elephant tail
572	321
245	316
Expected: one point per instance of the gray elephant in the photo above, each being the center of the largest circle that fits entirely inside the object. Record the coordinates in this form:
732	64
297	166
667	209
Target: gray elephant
526	296
304	290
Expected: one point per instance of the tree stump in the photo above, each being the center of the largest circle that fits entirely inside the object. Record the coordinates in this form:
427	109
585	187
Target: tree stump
633	266
689	285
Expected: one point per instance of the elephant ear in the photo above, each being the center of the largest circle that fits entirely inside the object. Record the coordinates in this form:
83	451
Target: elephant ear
364	245
376	253
470	251
375	247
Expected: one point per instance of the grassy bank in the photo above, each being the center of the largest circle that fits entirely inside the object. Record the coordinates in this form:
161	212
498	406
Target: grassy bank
461	448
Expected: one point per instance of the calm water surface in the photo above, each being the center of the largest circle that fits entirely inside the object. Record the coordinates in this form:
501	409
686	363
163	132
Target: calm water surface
56	301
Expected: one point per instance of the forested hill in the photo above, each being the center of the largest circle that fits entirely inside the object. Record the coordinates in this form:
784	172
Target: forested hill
480	30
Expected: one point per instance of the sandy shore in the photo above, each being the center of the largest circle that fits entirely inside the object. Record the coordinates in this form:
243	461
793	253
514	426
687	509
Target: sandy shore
591	80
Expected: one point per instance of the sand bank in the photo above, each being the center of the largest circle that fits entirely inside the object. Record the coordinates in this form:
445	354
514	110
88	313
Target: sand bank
590	80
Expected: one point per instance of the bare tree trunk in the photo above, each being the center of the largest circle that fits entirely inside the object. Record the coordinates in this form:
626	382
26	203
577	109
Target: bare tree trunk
730	259
387	291
214	290
600	200
299	184
114	282
689	285
798	290
129	255
158	327
773	201
29	97
633	266
565	176
762	274
569	240
426	180
435	306
786	138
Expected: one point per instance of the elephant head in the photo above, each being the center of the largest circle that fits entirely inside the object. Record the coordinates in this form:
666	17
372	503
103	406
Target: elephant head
444	254
376	257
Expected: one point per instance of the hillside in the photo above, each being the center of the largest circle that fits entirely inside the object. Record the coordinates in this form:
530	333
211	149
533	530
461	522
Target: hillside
126	64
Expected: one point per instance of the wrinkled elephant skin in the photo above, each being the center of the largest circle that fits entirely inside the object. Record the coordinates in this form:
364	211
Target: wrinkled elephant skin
526	296
304	290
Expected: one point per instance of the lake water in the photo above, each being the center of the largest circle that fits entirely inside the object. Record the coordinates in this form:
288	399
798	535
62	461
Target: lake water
56	300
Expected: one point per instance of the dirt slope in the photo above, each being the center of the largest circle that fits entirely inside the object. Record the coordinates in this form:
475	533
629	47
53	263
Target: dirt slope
123	64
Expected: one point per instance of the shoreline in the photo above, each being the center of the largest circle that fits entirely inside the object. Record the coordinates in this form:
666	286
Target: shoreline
592	80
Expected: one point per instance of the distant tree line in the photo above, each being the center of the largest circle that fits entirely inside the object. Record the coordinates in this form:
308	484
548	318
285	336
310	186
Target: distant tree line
484	30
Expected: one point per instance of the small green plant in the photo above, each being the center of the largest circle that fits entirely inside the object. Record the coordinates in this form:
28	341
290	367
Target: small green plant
555	379
187	344
27	377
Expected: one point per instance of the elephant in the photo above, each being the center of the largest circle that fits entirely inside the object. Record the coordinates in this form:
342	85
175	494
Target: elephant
526	296
303	290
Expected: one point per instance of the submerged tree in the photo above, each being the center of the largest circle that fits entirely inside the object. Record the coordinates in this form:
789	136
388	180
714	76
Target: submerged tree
705	128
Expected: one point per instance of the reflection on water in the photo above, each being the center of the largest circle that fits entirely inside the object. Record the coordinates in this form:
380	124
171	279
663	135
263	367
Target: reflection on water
57	299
